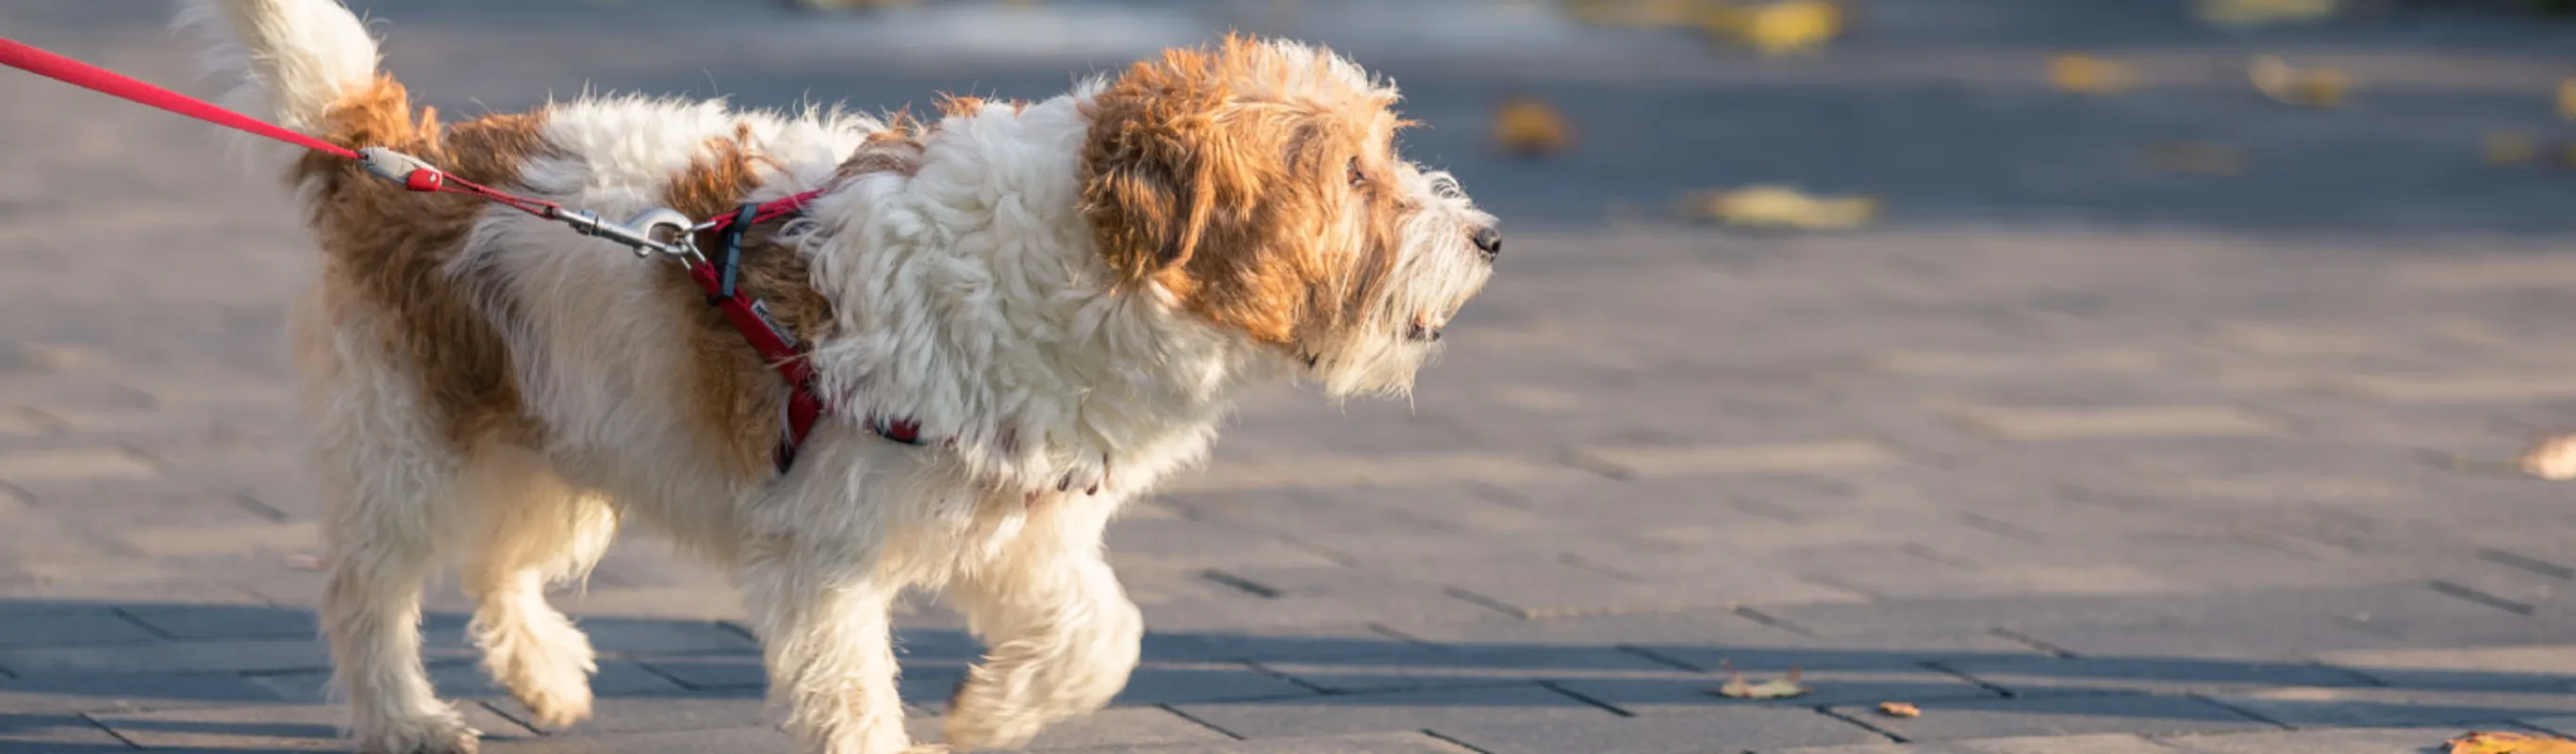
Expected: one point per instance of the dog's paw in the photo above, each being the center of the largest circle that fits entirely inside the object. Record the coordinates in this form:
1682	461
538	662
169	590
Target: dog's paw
1082	477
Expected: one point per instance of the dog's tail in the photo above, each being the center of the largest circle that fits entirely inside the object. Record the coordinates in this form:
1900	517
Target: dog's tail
290	61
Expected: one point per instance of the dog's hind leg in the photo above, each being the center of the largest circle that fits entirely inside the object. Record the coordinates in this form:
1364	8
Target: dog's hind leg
819	601
385	474
1060	633
530	530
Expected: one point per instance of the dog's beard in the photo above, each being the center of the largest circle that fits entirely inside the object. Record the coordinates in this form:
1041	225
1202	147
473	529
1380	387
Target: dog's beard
1436	270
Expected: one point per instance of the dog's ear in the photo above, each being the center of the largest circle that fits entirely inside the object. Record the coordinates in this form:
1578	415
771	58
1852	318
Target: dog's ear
1149	201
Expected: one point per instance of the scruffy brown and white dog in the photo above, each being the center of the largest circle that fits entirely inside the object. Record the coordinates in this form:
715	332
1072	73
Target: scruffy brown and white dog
1064	295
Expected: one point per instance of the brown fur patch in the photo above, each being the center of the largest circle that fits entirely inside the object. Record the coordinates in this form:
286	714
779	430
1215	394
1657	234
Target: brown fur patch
1232	177
388	250
732	396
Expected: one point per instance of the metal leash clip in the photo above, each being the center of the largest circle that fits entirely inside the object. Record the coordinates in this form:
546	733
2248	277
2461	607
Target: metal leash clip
644	233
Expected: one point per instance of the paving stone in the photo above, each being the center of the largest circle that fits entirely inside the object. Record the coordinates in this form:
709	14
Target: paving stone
29	733
1471	667
738	740
224	621
2564	725
1281	644
2376	740
2340	707
1697	692
655	714
29	467
2035	675
1127	727
227	656
1727	460
1718	730
1150	684
1359	743
56	693
628	636
2550	666
1369	713
272	727
2027	423
2058	716
69	627
457	680
2109	743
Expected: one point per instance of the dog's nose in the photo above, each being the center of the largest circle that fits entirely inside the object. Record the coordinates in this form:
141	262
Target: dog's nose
1488	240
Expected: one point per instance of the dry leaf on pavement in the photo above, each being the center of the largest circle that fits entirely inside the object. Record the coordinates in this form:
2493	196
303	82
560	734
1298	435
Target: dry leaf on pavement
2553	458
1781	688
1781	27
2084	74
2246	13
1527	127
1898	709
2305	87
2511	148
2567	99
2503	742
1782	207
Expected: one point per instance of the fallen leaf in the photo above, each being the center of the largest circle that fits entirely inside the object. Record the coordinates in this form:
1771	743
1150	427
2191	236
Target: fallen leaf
2310	87
1782	27
2511	148
1783	207
1898	709
2199	157
2567	99
2504	742
1781	688
1527	127
2553	458
2085	74
2250	13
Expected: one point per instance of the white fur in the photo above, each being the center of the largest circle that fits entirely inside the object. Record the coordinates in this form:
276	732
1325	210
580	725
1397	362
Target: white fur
969	297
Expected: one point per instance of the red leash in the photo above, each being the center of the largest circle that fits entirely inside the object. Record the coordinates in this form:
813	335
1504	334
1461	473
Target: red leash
775	342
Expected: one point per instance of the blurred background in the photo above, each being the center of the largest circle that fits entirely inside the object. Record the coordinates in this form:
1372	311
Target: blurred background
1962	348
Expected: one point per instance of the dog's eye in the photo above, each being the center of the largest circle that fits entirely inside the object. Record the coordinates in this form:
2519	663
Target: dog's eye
1357	178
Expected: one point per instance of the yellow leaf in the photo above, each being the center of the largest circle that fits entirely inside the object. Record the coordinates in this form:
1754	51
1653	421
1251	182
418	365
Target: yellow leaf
1525	126
2567	99
2502	742
1782	688
1898	709
2085	74
1784	207
2312	87
1782	27
2246	13
2511	148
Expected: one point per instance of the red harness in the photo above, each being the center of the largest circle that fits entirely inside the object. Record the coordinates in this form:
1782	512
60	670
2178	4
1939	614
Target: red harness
775	342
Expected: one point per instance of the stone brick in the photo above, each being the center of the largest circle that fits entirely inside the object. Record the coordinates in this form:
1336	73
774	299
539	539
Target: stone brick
2059	715
1473	667
2031	423
629	636
59	693
1730	460
228	656
657	714
1716	730
458	680
1359	743
2548	666
68	627
1697	692
2035	675
272	727
73	465
2346	741
737	740
1128	727
225	621
23	732
2107	743
2347	707
1152	683
1370	713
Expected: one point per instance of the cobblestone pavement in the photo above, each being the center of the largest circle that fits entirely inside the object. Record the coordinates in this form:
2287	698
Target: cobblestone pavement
2073	456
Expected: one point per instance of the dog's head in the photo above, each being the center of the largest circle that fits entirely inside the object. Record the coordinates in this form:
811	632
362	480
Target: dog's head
1256	185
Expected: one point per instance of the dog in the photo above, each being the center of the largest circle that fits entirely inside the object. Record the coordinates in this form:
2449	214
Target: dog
1060	298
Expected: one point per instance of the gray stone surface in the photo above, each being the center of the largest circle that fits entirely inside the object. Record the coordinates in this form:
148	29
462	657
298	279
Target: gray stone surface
2063	425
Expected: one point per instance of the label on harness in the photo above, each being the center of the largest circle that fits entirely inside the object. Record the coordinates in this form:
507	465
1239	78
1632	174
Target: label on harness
761	309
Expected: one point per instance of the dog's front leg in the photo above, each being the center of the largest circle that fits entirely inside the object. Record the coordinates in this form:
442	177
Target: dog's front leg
821	607
1060	633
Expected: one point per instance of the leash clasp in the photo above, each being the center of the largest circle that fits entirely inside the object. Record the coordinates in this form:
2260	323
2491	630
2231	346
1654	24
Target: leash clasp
645	233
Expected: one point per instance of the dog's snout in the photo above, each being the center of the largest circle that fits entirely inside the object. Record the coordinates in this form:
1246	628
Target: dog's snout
1488	240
